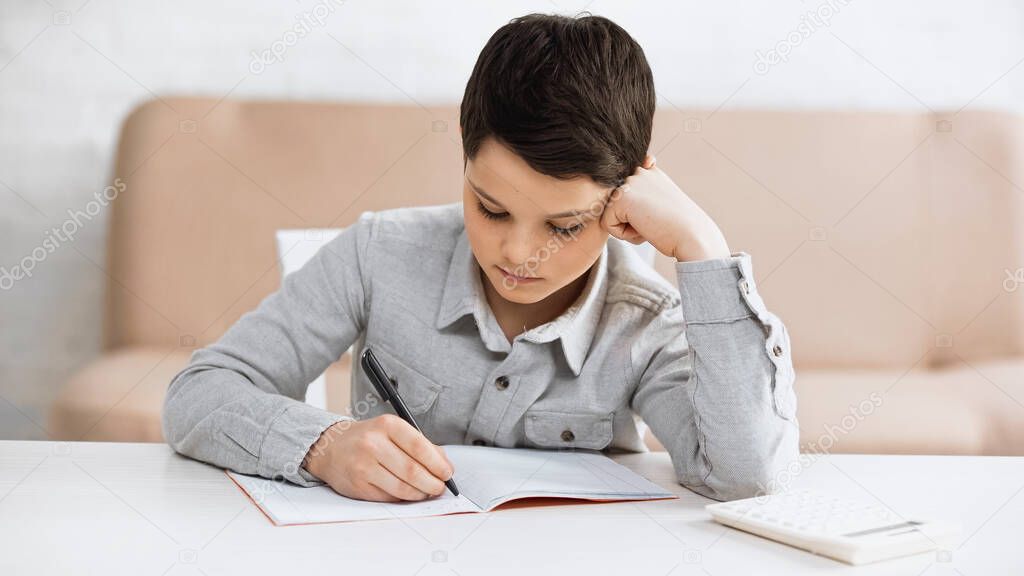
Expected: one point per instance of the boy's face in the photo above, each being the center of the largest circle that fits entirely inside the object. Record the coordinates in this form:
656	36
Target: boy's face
532	234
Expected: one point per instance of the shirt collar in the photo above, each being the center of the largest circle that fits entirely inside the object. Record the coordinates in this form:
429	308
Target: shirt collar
576	327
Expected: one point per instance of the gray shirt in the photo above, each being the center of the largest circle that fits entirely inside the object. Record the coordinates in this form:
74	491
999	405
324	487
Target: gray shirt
706	367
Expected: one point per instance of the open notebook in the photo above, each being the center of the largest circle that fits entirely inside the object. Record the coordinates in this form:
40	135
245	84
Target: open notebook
487	477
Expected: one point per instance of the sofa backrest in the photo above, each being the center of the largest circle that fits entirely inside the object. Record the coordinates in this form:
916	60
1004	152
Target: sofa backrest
875	236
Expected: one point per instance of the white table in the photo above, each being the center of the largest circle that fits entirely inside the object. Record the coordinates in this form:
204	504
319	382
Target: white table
98	508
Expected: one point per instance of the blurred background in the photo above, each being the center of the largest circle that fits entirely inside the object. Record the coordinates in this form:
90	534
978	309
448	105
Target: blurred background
868	154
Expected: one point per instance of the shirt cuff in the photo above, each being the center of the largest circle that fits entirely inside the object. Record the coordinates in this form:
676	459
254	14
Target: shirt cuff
288	441
716	290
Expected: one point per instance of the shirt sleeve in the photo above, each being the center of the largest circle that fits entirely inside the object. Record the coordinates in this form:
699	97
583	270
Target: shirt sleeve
239	402
715	382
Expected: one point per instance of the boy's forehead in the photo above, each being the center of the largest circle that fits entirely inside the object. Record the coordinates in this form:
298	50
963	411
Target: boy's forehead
499	173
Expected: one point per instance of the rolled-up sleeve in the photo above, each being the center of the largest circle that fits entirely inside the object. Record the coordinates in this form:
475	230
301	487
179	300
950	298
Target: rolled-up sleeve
715	382
239	402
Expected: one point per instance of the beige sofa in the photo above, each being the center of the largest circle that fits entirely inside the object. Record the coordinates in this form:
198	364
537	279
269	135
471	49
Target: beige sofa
888	242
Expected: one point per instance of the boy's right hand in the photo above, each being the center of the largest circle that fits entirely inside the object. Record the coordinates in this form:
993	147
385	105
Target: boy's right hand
384	459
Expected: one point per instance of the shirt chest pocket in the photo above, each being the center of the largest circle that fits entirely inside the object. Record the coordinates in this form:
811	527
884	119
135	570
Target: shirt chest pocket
417	391
550	429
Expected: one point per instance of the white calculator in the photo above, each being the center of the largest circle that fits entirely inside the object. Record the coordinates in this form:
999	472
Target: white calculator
845	530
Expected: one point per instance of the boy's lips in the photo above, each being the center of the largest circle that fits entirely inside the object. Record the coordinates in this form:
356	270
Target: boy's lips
514	278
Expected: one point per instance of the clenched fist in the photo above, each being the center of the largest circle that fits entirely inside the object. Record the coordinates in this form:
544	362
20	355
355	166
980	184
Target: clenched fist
649	207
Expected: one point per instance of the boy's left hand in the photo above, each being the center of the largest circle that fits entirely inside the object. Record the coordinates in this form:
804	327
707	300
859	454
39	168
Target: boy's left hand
649	207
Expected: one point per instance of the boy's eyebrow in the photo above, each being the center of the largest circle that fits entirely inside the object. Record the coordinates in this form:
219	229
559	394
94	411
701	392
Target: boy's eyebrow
481	192
489	198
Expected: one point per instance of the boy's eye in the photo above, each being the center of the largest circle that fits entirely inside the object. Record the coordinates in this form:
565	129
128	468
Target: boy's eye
570	231
490	215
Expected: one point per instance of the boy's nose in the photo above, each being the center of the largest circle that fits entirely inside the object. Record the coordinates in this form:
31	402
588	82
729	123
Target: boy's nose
517	247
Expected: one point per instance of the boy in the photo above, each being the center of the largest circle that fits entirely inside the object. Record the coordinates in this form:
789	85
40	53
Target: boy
511	318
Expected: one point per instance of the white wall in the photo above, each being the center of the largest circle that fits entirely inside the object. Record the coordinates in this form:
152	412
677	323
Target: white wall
70	71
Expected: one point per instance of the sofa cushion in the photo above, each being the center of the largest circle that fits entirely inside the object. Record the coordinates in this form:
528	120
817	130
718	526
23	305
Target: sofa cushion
960	409
964	408
118	397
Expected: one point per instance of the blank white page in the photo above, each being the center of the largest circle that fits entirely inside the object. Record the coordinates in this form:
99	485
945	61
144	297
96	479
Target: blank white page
490	476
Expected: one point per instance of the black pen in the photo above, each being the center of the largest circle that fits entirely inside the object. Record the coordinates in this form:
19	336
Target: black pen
382	382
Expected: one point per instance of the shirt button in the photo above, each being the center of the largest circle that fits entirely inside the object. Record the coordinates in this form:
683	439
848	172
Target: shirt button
479	442
777	350
568	436
745	287
501	383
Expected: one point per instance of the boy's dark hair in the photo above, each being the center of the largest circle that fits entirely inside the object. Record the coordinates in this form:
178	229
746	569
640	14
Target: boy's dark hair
570	96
